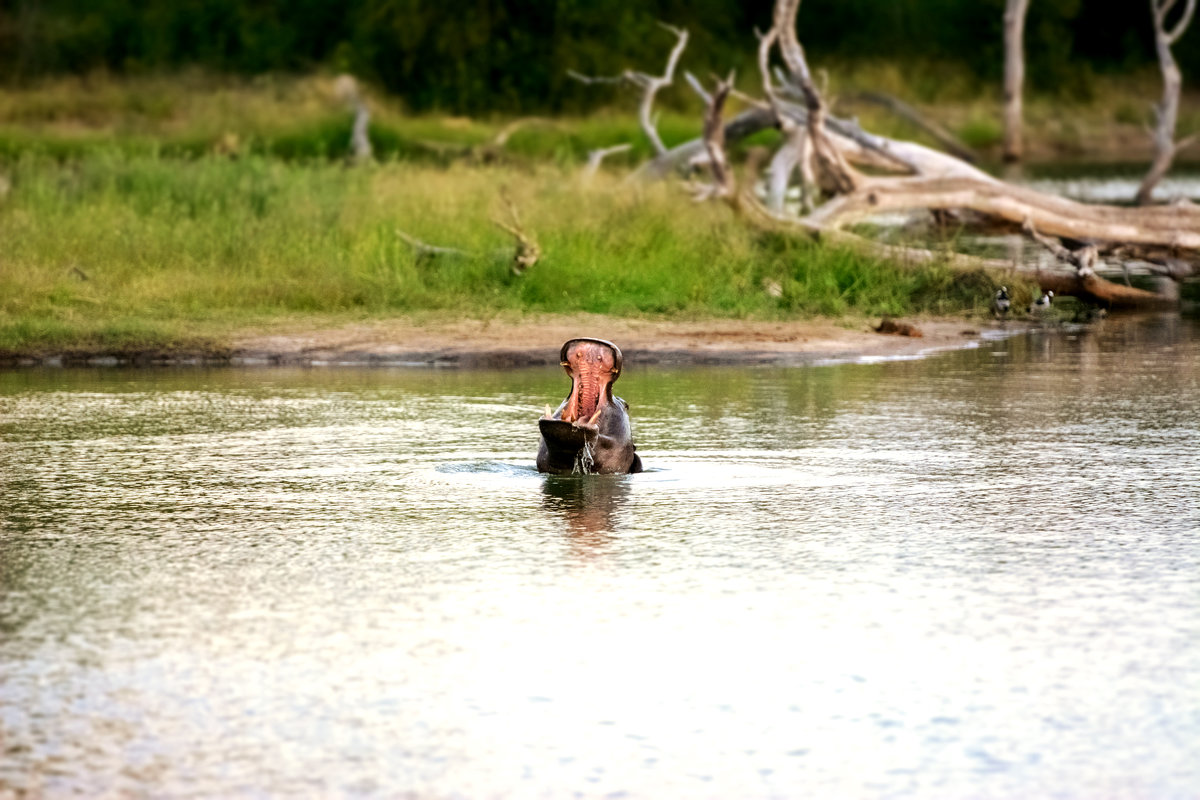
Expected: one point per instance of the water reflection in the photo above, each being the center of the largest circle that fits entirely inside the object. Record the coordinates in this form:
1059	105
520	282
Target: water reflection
589	504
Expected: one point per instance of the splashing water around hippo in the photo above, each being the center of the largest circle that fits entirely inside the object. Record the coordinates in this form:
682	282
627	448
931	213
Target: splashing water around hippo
585	460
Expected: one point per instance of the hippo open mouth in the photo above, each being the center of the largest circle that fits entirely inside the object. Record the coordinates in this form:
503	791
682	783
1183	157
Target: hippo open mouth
593	365
590	431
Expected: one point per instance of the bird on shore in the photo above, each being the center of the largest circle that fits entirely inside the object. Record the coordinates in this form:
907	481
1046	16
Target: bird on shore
1042	304
1001	303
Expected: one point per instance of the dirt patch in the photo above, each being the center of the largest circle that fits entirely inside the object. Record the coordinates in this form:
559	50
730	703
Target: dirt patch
536	340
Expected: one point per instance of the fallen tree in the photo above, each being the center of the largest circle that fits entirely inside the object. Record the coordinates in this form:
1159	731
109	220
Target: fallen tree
855	175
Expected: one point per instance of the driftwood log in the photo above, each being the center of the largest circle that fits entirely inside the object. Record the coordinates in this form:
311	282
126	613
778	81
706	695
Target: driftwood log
826	156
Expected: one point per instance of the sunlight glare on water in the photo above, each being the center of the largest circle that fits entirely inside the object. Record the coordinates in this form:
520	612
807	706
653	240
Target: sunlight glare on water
975	575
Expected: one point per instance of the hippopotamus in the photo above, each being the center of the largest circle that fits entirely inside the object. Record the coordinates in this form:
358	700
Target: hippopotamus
590	431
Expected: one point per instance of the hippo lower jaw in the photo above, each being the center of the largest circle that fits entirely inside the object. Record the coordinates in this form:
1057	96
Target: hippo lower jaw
590	431
567	435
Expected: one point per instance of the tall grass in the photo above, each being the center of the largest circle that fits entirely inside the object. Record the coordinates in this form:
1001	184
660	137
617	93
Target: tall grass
116	249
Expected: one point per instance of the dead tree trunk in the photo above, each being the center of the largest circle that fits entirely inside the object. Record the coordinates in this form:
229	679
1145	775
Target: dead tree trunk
1014	77
360	143
1164	239
1167	111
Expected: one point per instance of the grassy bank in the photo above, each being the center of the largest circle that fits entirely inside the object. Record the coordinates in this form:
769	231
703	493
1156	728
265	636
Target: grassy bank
172	213
115	251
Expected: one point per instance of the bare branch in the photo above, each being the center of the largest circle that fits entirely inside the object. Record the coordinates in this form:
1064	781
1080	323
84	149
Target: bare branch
1166	113
649	84
789	45
591	80
912	115
1085	283
653	84
528	252
1182	24
505	133
744	124
424	248
698	88
783	166
1083	259
595	157
714	140
833	171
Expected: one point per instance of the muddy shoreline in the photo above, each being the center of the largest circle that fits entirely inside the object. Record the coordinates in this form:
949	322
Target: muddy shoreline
526	342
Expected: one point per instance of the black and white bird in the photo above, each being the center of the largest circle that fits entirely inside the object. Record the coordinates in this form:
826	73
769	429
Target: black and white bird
1042	304
1001	302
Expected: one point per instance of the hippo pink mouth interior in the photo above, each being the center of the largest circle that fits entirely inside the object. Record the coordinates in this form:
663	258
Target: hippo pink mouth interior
593	367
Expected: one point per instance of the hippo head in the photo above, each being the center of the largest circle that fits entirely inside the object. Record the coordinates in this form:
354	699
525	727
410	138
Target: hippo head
590	431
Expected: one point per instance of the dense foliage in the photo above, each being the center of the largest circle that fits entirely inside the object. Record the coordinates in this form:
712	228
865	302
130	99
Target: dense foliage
513	55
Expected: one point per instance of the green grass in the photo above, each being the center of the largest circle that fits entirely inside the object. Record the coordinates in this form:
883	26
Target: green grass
116	250
171	212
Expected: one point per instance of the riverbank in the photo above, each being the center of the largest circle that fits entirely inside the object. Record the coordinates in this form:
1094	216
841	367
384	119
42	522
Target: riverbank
535	340
131	255
198	232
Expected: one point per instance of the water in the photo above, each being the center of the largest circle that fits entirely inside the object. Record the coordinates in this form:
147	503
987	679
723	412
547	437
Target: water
975	575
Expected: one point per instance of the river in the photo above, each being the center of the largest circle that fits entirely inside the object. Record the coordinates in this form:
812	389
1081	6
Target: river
971	575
